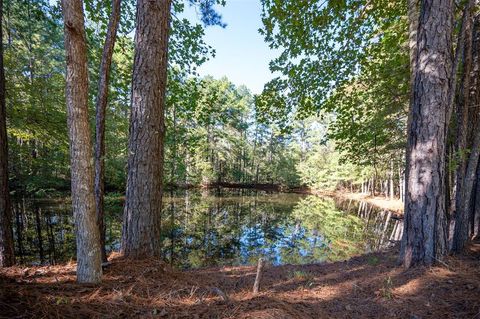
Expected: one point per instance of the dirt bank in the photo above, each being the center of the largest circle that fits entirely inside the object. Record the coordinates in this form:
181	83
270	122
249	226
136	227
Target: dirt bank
368	286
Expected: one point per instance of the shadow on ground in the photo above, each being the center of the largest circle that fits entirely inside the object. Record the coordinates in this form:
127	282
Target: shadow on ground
367	286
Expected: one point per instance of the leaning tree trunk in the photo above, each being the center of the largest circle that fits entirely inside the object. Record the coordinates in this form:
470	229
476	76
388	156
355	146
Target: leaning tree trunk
89	268
7	257
142	214
101	107
425	233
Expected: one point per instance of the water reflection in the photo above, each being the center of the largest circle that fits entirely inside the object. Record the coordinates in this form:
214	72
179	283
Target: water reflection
225	228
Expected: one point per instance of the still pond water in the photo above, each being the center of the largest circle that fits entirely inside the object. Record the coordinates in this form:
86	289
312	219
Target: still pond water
202	229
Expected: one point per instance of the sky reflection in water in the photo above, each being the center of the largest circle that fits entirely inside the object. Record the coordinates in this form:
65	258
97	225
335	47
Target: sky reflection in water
201	229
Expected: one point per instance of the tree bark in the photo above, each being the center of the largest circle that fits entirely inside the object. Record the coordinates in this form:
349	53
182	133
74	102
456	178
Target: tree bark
466	179
413	11
258	277
425	231
474	115
142	214
89	269
101	107
462	118
476	211
7	257
461	233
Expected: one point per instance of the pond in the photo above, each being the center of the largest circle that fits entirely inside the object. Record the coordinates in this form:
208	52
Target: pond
201	229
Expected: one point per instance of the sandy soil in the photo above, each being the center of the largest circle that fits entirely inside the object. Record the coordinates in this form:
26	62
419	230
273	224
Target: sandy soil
368	286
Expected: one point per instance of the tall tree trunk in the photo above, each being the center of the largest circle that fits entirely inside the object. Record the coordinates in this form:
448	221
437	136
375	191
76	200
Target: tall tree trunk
425	234
7	257
142	214
101	107
474	114
461	233
413	16
466	179
462	114
89	259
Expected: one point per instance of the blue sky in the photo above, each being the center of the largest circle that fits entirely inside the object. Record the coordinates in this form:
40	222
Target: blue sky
241	54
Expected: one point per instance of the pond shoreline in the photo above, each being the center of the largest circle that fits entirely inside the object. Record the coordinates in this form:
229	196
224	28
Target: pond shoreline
366	286
394	205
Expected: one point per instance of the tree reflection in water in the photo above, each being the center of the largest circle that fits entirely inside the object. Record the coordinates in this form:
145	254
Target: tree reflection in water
225	228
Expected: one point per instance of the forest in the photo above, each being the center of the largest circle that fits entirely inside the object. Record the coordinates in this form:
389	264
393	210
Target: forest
134	184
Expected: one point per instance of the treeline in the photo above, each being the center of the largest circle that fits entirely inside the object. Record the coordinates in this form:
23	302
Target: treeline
372	100
402	82
129	126
214	132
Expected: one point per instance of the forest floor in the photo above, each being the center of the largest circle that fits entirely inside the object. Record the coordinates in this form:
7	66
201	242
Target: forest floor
367	286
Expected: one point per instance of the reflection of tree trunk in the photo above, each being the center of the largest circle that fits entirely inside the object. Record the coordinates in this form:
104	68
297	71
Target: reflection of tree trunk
19	224
387	220
38	223
172	230
368	210
392	234
397	231
51	240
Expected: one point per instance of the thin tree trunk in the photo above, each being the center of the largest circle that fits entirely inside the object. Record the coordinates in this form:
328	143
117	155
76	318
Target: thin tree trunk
392	186
142	214
258	277
425	235
413	16
51	240
466	19
474	115
89	259
465	186
101	107
460	237
7	257
19	232
38	224
476	212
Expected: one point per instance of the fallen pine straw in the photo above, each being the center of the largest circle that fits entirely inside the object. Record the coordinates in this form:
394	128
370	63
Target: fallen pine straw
368	286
